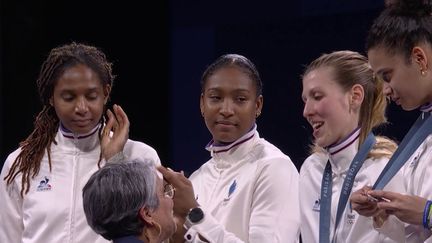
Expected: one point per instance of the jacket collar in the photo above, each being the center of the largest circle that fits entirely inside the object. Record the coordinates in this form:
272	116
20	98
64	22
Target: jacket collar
69	141
227	154
342	153
426	107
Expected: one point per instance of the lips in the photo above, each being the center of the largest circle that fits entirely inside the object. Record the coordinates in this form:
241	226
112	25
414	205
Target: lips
225	122
396	100
316	125
82	122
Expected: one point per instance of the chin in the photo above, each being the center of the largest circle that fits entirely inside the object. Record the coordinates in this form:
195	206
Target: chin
223	139
322	143
409	107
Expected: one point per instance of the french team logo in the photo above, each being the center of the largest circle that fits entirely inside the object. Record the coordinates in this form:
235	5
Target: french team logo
231	190
44	185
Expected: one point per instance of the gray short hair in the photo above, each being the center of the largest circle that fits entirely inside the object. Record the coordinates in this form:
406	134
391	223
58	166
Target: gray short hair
113	196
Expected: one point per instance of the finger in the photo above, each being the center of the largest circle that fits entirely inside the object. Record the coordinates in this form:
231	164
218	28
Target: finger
121	116
387	206
358	198
109	125
168	174
386	194
115	122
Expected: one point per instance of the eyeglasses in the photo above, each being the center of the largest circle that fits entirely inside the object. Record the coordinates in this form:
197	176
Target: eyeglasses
169	191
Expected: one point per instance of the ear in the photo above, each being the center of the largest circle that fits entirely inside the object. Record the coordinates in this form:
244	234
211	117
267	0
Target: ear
356	96
146	215
107	92
418	55
202	104
259	105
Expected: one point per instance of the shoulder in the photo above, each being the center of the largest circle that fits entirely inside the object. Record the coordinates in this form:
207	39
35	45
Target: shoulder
11	157
9	162
267	151
272	159
138	149
200	171
314	162
384	147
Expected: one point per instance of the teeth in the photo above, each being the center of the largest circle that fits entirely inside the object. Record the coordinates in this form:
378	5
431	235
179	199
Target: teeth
316	125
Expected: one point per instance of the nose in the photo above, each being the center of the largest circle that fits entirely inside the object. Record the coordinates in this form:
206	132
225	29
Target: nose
227	108
387	90
307	109
81	106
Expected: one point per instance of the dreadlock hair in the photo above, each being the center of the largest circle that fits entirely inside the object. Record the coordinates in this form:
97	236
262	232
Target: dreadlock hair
348	69
46	123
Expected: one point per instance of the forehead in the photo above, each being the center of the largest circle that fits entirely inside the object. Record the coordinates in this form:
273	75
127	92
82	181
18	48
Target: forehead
78	75
380	58
230	78
320	78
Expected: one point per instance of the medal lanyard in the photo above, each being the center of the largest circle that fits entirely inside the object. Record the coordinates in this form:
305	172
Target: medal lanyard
412	140
326	189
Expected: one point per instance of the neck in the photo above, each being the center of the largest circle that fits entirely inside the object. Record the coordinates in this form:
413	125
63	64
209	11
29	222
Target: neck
150	235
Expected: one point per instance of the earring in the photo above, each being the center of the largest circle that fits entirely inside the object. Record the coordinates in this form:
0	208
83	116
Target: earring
257	114
423	72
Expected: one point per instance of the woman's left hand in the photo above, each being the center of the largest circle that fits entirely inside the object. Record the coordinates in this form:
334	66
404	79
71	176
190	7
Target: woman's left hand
407	208
118	123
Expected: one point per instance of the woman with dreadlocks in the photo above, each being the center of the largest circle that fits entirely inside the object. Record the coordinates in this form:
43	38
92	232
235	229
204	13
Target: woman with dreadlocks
40	190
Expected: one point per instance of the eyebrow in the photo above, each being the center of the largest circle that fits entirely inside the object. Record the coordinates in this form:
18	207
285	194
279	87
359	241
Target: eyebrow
68	90
235	90
382	70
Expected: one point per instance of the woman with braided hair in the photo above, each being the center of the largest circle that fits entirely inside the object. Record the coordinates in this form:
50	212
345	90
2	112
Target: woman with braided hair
40	190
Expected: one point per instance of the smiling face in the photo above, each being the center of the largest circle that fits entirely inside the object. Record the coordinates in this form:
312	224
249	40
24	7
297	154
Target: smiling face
403	81
327	107
79	98
229	104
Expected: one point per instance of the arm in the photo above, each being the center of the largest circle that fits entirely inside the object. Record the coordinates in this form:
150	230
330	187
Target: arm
115	145
12	227
184	200
112	145
408	209
274	209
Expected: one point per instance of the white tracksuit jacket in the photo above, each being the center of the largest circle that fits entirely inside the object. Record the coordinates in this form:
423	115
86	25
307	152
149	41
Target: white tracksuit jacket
249	193
52	211
417	174
352	226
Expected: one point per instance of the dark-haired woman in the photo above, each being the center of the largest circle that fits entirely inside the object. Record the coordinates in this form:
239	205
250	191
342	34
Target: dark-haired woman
40	190
248	190
399	48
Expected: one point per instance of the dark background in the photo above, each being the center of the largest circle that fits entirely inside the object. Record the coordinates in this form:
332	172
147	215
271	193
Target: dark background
160	49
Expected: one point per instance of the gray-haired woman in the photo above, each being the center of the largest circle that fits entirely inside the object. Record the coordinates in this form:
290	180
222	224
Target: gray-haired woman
129	202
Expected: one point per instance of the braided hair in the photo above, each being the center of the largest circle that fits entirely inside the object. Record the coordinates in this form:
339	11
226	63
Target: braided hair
46	123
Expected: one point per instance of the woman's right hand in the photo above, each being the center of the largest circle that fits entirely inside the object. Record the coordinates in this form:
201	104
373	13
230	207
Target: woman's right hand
118	124
184	198
362	203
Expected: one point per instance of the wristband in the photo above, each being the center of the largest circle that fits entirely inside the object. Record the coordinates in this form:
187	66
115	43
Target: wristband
426	214
429	217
